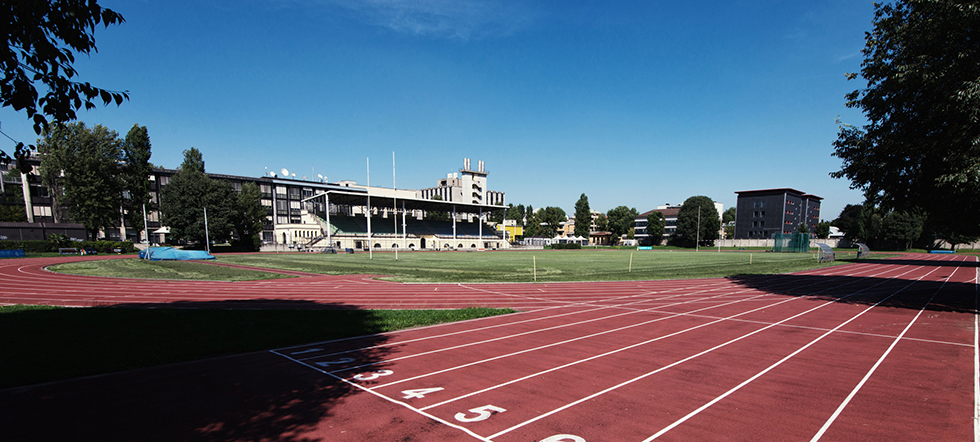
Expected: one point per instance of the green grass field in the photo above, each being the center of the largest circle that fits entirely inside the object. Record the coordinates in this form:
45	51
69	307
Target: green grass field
138	268
540	265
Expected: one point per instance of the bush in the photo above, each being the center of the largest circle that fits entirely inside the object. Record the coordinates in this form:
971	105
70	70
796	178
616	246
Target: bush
557	246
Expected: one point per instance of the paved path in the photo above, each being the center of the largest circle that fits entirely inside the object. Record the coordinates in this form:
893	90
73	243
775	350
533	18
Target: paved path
881	350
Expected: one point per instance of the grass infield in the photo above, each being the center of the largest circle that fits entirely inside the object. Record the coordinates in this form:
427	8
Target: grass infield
138	268
540	265
54	343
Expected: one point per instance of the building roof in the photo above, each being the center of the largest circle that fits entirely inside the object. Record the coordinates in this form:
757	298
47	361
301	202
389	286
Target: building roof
668	213
776	192
360	199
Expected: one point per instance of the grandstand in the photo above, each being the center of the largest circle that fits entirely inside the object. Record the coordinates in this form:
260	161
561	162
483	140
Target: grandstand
397	223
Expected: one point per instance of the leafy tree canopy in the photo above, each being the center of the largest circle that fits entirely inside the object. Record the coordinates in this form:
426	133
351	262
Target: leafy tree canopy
697	222
43	37
728	216
621	219
551	217
583	217
918	152
655	227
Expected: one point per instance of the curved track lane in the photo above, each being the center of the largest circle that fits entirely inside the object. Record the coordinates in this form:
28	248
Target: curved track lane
880	350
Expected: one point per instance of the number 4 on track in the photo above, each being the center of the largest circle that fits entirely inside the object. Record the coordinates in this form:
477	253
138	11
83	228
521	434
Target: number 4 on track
420	393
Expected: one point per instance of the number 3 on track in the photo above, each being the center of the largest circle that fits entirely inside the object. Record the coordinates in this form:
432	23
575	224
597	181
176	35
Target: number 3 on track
482	413
373	376
420	393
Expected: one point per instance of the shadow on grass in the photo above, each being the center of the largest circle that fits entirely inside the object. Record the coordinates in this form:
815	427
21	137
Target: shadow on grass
255	395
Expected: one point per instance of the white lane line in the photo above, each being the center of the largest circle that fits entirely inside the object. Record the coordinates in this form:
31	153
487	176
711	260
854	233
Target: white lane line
847	400
790	356
638	378
533	375
976	355
397	402
651	309
500	338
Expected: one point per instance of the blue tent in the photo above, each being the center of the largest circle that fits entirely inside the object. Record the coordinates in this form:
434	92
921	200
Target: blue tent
172	254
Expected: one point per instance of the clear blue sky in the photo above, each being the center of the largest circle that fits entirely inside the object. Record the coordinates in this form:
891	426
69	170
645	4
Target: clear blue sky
632	103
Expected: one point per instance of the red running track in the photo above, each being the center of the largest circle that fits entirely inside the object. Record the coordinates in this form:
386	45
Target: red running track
881	350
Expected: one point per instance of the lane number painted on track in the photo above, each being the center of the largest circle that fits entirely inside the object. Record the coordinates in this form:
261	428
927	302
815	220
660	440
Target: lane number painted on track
563	438
420	393
306	351
482	413
338	361
373	376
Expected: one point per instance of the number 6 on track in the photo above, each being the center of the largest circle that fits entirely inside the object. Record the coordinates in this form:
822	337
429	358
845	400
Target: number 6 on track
482	413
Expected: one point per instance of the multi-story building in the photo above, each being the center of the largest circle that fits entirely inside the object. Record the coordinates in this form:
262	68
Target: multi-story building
295	208
763	213
469	186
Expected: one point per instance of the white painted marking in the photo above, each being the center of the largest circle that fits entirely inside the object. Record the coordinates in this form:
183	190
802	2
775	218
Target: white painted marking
837	412
338	361
563	438
312	350
482	413
373	376
630	381
417	411
420	392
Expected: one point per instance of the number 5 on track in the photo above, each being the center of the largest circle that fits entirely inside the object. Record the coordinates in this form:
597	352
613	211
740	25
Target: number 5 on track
482	413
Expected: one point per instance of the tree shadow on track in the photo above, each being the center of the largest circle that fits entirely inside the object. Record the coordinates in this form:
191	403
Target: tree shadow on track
957	297
258	395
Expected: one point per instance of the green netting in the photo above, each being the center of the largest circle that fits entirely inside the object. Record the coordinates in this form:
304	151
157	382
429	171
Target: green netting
791	242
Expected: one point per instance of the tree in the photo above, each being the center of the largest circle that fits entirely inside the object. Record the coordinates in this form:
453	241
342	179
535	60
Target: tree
697	222
602	223
823	230
728	216
249	216
516	213
849	221
655	227
918	153
583	217
136	174
551	218
42	39
620	220
53	149
183	201
802	228
900	229
83	164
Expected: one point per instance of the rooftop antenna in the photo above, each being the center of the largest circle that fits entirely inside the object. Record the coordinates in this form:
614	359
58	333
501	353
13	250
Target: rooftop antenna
285	172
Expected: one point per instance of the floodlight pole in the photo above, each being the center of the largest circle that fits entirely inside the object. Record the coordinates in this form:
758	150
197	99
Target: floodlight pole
370	249
697	243
394	204
146	232
207	241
